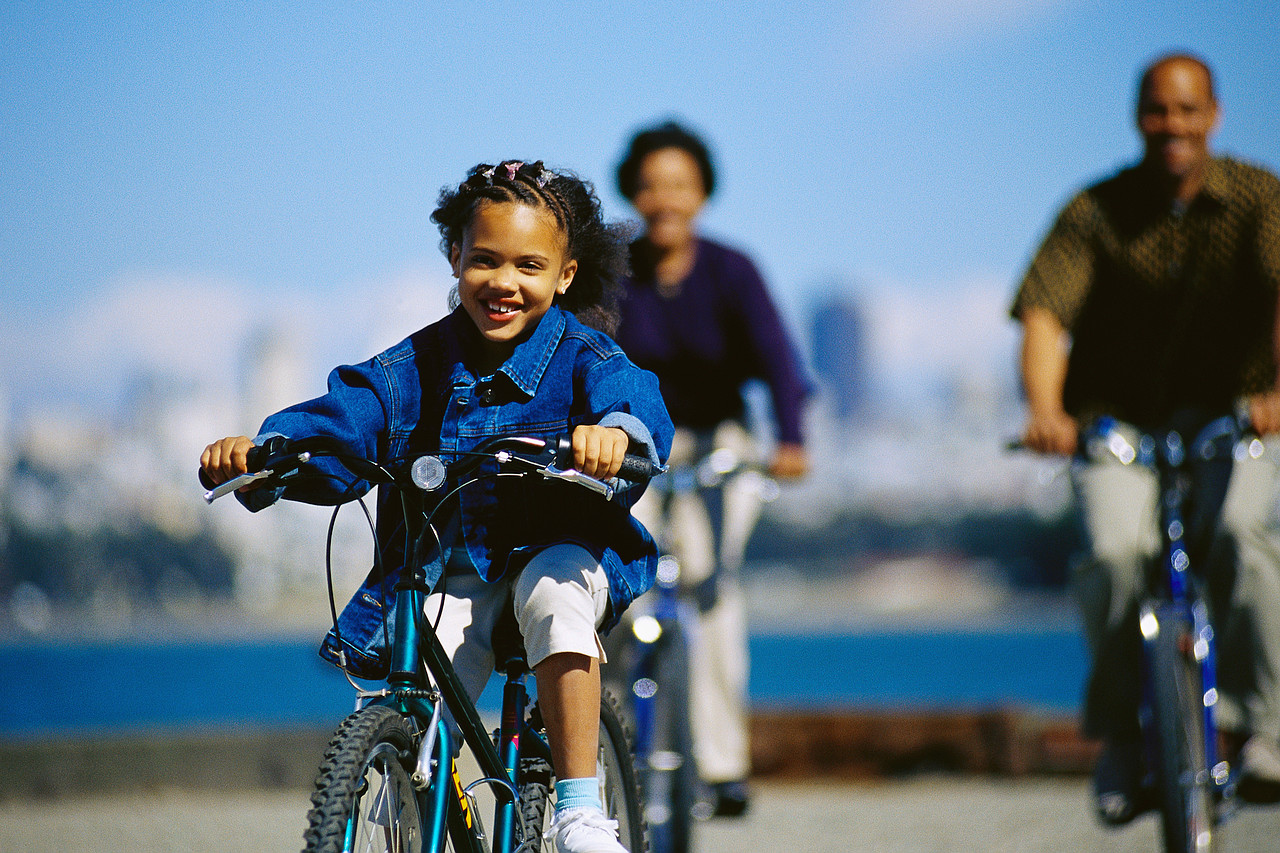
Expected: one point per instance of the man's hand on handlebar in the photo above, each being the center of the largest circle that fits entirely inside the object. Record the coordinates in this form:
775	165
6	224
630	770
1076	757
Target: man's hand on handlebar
1053	432
226	458
598	451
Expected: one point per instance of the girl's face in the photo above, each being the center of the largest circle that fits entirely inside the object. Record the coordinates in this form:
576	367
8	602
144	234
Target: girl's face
669	196
510	267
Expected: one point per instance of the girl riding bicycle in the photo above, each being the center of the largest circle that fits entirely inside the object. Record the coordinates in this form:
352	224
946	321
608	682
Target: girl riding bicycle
535	264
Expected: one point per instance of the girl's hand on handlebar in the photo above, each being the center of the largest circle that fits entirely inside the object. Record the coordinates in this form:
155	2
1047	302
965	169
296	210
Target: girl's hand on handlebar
226	458
1264	412
598	451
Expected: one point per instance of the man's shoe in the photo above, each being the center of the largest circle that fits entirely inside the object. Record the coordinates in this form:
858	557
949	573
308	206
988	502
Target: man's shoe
1260	770
1117	783
731	799
584	830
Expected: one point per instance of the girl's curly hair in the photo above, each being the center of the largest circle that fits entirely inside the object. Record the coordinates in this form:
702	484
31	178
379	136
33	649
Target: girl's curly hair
600	248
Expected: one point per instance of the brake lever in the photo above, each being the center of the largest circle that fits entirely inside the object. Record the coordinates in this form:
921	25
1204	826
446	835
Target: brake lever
573	475
243	480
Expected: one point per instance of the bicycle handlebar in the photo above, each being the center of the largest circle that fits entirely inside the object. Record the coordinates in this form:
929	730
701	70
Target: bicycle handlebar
553	459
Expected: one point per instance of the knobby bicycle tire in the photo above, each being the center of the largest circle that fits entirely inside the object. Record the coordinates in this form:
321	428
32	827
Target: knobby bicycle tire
615	766
619	792
363	794
1187	804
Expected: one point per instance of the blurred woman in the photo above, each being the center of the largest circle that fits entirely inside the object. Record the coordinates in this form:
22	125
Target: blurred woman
698	314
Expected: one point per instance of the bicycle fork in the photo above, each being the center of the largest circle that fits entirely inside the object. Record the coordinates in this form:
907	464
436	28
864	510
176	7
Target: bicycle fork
1186	607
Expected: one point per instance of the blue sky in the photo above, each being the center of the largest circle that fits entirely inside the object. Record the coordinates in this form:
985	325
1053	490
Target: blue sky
253	154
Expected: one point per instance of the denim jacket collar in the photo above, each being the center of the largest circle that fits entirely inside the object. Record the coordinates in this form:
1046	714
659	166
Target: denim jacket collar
528	362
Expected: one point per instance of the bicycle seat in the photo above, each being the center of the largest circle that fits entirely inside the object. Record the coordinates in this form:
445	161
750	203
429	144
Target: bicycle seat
507	642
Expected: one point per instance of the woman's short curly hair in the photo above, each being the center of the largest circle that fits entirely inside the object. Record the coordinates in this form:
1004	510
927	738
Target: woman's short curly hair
666	135
599	247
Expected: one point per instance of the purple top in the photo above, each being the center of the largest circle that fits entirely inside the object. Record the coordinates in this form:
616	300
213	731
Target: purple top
703	341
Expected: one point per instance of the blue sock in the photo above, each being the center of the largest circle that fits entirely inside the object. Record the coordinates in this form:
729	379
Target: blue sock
578	793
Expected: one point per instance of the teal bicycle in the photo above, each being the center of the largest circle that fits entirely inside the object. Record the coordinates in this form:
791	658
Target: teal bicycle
390	778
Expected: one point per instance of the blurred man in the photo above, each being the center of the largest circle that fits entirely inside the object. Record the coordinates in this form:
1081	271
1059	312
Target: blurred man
1154	294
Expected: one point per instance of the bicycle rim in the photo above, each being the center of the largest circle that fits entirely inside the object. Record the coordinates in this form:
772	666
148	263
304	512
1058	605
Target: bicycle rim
1186	788
364	801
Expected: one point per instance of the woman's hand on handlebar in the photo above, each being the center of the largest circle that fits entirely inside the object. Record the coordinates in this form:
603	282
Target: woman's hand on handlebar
789	462
226	458
598	451
1053	432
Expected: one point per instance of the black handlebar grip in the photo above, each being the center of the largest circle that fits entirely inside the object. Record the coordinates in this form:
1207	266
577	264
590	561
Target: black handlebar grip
635	469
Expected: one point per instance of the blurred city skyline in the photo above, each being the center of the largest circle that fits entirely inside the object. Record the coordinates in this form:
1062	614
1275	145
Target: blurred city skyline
180	178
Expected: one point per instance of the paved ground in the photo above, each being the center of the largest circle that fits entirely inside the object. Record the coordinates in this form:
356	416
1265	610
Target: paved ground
926	815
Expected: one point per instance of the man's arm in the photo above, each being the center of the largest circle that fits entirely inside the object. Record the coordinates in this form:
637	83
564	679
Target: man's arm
1264	409
1044	373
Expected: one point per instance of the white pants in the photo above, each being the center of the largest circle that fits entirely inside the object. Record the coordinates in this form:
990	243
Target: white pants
707	540
559	599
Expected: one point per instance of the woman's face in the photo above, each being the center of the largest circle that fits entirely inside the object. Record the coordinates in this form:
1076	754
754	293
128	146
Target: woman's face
669	196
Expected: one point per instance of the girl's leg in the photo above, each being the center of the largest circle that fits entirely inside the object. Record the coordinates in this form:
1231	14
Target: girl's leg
464	616
559	599
569	694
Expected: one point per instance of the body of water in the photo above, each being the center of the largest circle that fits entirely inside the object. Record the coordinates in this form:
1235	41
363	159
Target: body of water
71	688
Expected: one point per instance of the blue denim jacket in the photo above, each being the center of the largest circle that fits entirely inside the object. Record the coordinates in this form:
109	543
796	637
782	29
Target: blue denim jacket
420	397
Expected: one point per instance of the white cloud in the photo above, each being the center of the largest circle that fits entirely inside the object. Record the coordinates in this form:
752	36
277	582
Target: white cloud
932	332
894	33
197	332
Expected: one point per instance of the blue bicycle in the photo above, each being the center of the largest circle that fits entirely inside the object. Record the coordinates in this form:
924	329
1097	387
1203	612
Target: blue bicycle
1191	780
650	661
390	778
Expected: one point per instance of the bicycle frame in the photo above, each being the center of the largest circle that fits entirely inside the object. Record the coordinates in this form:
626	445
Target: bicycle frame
1174	594
1184	601
655	645
444	804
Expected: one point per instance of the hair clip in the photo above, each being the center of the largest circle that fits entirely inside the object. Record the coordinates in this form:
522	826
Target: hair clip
539	173
511	168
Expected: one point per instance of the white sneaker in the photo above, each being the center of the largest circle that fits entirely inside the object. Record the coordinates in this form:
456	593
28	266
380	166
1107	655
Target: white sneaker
584	830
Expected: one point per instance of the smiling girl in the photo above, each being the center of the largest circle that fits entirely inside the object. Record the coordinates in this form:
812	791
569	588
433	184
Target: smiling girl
522	353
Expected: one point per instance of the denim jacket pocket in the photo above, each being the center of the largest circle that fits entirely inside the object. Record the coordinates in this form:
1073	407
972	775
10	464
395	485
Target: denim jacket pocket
360	638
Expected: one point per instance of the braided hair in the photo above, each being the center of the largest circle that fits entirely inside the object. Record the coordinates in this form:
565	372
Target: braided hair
600	248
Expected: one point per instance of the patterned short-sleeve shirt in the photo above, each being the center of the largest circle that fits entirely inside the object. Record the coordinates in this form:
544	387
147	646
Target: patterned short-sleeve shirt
1167	308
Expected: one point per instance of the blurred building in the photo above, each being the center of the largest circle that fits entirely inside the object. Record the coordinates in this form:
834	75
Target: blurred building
838	343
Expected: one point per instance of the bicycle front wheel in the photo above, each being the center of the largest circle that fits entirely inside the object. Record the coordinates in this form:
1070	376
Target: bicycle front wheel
1185	781
364	800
